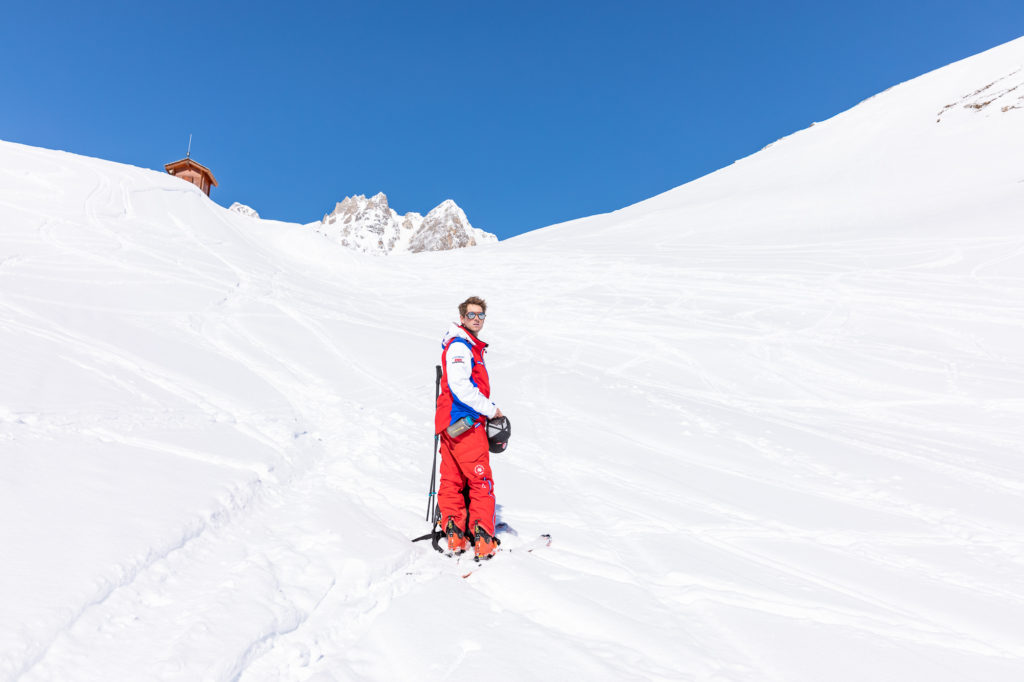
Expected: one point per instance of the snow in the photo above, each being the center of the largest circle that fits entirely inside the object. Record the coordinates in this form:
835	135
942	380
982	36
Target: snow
772	420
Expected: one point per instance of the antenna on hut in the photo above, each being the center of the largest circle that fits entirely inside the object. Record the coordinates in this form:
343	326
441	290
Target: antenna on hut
188	153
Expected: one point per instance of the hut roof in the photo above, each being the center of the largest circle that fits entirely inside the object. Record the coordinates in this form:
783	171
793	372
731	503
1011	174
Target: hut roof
187	163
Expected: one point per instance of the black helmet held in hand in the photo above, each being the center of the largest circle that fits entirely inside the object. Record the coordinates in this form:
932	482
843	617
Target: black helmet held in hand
498	431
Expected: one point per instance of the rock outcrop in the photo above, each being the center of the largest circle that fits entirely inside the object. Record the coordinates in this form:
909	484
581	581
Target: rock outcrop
244	210
370	225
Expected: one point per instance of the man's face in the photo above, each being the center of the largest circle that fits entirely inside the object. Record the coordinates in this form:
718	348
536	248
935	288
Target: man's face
473	319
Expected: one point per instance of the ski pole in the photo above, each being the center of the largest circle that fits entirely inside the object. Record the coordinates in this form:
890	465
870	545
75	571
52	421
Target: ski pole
433	469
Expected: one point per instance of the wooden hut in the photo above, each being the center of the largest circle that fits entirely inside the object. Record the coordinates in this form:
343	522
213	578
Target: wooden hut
190	171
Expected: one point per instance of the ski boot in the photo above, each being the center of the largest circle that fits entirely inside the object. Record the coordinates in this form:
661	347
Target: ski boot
485	545
457	542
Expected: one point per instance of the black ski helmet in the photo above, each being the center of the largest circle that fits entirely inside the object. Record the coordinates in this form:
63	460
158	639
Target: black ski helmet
498	431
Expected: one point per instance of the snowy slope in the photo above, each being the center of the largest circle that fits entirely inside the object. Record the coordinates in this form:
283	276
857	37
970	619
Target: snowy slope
772	419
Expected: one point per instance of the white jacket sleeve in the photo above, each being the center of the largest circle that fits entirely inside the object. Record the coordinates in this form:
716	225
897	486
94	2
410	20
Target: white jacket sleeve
458	368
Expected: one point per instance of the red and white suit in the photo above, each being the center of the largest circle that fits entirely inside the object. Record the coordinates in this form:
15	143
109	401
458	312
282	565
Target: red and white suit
465	459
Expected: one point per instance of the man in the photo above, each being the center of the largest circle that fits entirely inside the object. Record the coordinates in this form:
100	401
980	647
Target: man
465	457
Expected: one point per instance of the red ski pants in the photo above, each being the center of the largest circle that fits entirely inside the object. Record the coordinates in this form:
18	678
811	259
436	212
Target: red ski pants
466	461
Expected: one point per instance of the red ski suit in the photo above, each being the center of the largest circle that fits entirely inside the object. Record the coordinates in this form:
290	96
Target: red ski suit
465	459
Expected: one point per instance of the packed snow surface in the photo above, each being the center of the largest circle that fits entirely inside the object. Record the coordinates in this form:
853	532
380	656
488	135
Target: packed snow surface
771	419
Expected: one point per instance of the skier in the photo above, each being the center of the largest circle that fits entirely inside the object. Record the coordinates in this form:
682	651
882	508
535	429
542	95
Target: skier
463	408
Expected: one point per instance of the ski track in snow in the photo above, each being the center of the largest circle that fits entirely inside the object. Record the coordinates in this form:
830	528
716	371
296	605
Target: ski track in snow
757	461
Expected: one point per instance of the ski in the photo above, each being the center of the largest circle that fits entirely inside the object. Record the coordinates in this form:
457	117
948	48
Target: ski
542	540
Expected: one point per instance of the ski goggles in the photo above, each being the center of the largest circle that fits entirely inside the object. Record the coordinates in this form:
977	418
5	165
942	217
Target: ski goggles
473	316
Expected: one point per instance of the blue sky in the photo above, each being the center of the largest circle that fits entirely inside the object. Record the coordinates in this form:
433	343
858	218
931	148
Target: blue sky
525	113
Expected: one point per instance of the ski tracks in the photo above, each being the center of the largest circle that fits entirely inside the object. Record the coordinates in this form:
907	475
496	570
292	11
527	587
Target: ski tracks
258	563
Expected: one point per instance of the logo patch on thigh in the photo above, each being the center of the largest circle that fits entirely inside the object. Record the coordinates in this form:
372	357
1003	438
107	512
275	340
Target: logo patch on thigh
479	470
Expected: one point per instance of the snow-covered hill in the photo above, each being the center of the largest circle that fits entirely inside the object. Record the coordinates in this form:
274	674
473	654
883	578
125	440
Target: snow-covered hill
371	226
772	420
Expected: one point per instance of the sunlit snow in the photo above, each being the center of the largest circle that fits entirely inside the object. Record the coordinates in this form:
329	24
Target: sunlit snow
772	420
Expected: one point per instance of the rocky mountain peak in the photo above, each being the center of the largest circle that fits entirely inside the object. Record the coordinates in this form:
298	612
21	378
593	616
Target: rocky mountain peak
357	207
447	227
372	226
244	210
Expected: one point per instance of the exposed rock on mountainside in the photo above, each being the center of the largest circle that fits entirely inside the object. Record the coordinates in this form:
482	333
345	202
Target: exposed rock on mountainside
444	228
372	226
244	210
1004	93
